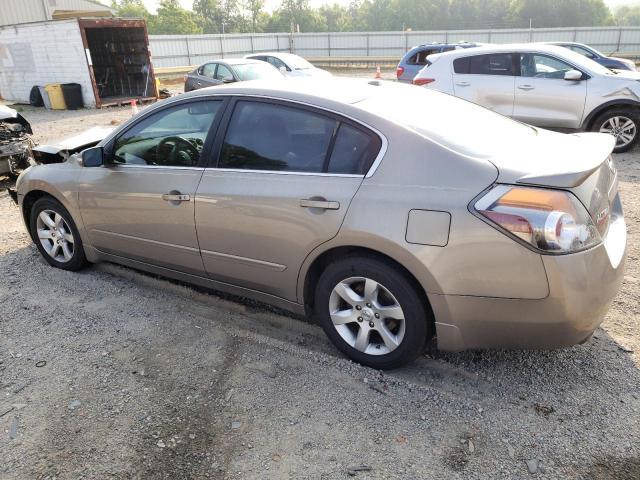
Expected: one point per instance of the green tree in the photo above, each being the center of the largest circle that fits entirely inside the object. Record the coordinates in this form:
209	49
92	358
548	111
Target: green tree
336	17
130	8
210	14
565	13
256	16
628	16
172	19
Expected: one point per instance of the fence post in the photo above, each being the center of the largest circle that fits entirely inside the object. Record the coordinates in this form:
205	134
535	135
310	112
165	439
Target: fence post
186	41
575	34
619	39
291	45
251	39
368	54
329	43
221	47
277	42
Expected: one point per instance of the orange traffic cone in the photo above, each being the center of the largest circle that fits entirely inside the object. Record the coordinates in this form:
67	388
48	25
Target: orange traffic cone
134	108
378	73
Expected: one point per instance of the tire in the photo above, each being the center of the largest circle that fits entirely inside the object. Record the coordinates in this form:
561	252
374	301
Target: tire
57	238
368	330
614	122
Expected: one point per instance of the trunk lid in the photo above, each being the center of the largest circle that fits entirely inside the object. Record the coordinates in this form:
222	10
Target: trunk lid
579	162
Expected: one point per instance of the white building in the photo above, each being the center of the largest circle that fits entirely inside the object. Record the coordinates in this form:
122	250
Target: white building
14	12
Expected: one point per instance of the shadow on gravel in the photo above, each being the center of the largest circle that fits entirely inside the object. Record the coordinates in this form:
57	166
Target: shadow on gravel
611	468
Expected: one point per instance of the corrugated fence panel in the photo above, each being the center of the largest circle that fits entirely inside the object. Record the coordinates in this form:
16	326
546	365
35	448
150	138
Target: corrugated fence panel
630	40
509	36
179	50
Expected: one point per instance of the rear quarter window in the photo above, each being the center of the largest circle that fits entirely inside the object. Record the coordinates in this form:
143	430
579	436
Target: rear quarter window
420	58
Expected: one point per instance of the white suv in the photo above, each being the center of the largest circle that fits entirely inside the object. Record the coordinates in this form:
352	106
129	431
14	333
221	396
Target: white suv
543	85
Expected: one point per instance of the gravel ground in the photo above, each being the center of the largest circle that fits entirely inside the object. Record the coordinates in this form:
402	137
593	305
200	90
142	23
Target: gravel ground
110	373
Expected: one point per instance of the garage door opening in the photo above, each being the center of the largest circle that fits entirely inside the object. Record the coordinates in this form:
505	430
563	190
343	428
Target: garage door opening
119	61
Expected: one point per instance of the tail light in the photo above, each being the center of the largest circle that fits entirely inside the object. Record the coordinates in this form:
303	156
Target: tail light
399	71
423	81
553	221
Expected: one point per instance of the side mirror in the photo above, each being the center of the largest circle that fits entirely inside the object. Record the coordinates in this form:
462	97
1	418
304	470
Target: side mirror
92	157
283	69
228	80
573	75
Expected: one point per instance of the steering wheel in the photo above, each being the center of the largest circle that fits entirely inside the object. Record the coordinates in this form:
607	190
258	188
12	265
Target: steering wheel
181	151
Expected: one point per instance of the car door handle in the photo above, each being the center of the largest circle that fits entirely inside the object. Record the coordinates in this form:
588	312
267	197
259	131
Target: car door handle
324	204
176	197
463	84
526	87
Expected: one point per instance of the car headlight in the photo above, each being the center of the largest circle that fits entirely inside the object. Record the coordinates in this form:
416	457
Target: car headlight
551	221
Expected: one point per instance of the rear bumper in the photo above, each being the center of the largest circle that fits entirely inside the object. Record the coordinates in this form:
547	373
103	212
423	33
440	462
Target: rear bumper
581	285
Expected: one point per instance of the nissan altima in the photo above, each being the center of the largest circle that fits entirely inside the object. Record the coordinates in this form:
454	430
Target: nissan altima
389	213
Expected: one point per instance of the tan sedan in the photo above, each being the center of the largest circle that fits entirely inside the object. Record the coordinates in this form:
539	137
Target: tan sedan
389	212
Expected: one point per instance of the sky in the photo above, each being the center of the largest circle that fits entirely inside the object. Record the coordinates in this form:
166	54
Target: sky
271	5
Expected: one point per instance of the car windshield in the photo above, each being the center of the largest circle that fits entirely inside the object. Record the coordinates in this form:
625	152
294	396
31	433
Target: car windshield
297	63
454	123
582	61
257	71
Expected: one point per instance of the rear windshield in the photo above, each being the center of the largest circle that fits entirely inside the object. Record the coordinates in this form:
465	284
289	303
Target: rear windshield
257	71
459	125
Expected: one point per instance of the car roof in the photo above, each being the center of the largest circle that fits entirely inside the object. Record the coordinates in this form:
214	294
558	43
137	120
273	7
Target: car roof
280	55
232	61
334	89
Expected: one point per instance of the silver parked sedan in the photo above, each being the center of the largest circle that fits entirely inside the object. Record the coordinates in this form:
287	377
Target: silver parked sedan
390	213
229	70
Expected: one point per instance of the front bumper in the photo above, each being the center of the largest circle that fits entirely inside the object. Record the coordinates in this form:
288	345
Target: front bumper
581	288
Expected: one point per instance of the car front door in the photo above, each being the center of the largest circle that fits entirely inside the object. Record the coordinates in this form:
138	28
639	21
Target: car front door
283	181
487	80
140	204
543	97
206	76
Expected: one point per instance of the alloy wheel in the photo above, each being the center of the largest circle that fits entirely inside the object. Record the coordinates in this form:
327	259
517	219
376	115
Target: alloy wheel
622	128
55	236
367	316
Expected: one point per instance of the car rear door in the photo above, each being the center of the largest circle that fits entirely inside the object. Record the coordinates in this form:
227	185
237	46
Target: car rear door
487	80
543	97
205	76
281	186
140	204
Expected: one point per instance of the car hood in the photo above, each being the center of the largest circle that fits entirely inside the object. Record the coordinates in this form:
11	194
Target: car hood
10	115
84	139
625	75
555	159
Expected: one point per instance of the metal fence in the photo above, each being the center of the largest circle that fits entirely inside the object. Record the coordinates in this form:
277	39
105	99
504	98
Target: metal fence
179	50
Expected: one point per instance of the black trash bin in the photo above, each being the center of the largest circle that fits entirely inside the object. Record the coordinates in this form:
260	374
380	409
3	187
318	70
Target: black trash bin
72	93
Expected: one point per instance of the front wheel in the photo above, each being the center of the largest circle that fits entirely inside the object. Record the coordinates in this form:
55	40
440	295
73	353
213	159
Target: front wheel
56	236
623	124
372	312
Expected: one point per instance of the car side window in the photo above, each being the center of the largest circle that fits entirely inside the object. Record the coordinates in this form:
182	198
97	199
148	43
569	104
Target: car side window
276	62
582	51
542	66
223	73
208	70
173	136
490	64
263	136
353	151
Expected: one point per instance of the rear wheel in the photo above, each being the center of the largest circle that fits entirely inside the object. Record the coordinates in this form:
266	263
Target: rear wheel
56	236
371	312
623	124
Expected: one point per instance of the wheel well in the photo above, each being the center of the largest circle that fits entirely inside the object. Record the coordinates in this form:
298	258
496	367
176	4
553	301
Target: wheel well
614	106
320	263
29	199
